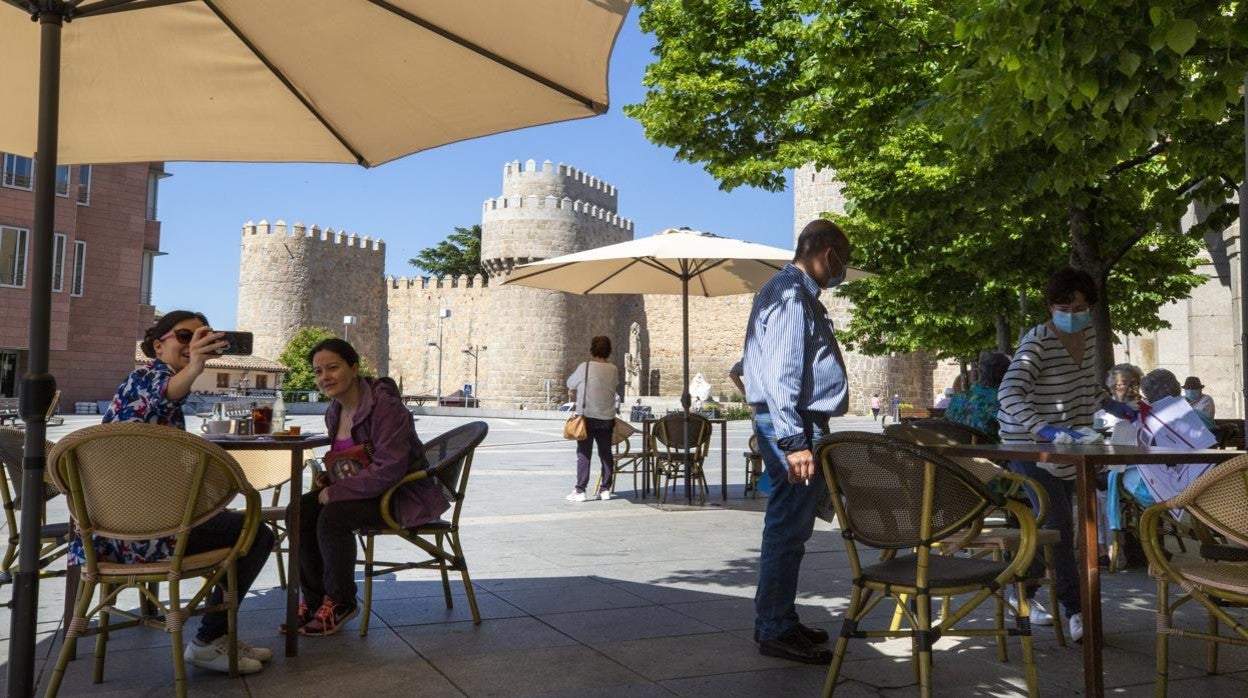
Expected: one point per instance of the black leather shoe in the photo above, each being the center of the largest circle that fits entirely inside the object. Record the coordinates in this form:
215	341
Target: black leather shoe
814	635
795	647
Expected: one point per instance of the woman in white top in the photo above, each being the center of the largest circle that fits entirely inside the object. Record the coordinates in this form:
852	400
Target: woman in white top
592	388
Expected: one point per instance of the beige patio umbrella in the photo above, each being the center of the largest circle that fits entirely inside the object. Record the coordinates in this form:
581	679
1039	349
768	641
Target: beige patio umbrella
671	262
352	81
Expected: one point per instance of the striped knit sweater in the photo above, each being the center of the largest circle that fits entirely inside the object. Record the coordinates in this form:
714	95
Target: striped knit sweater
1044	387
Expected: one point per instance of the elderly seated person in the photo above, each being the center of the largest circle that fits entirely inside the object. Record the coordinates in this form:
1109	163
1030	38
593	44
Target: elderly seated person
978	406
1123	382
1149	484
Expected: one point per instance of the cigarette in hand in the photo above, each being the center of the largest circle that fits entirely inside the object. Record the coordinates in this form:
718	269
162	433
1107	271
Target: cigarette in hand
807	481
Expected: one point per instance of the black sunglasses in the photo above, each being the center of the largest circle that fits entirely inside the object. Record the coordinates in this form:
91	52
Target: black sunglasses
183	336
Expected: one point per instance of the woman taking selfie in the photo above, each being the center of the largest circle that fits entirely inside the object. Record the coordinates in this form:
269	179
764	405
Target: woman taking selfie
375	446
179	345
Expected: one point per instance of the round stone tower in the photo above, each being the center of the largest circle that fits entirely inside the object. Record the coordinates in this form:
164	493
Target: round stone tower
539	336
297	276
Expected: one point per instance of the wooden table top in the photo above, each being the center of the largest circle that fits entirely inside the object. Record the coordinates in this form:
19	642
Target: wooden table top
1098	454
266	442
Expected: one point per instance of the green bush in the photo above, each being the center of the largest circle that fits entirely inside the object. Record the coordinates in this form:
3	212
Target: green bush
736	412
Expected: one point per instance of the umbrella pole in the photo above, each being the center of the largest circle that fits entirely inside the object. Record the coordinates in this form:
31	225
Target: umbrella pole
37	385
685	400
1243	267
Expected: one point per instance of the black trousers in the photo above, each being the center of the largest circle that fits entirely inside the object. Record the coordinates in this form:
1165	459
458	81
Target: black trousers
327	550
222	531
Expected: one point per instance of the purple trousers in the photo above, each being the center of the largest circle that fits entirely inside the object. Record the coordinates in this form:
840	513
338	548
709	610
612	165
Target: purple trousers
599	433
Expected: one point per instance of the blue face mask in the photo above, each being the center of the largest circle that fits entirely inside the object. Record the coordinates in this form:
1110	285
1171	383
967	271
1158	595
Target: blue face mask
1072	322
839	278
1191	394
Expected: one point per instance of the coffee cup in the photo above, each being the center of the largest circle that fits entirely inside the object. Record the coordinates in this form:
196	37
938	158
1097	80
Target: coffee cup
215	426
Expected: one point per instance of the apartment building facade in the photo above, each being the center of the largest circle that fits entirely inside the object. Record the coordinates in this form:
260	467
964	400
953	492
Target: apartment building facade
106	240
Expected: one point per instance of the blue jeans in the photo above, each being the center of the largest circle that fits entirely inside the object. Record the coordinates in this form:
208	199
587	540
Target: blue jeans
1061	493
789	522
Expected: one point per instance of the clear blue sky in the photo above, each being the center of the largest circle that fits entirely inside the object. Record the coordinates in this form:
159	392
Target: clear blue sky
415	202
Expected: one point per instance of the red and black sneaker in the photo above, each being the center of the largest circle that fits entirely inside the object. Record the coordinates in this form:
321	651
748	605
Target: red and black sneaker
305	617
330	618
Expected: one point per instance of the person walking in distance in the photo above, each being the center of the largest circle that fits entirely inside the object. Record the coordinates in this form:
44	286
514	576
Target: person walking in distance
795	381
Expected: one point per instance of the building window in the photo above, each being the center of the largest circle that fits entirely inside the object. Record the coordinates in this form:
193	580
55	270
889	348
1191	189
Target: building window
19	172
262	381
153	185
223	380
145	281
13	256
58	262
84	185
62	180
80	267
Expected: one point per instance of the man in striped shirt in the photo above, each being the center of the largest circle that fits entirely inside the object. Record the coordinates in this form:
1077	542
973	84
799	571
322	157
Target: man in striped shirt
795	380
1049	389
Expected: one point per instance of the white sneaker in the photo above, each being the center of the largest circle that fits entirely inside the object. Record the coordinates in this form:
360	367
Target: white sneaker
605	495
576	497
260	654
1038	615
1076	628
215	656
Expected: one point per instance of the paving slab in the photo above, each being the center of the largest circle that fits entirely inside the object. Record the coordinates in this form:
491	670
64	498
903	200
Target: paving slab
618	598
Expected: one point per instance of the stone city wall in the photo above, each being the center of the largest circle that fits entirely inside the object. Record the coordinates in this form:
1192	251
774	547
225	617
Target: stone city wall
412	308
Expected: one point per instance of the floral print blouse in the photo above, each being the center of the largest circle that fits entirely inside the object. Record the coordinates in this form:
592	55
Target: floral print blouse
140	399
976	407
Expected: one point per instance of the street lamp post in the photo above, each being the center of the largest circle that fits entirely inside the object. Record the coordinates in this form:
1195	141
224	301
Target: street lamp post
347	322
442	315
475	353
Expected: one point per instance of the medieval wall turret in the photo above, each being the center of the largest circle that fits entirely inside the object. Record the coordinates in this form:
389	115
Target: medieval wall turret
538	337
296	276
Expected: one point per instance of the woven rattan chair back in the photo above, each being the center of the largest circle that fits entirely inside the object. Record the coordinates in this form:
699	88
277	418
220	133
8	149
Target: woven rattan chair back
939	432
1217	499
965	434
669	432
449	455
895	494
266	469
12	446
752	444
140	481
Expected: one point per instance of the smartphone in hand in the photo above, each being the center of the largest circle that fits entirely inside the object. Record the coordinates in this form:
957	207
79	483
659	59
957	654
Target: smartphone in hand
238	343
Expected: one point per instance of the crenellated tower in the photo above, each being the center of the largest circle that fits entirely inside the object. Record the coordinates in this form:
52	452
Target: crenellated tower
539	336
305	276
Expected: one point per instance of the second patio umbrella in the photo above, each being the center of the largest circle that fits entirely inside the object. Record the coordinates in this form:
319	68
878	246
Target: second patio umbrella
672	262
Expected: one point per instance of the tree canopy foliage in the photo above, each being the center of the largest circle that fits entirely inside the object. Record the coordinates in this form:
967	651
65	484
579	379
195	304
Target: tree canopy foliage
981	145
459	253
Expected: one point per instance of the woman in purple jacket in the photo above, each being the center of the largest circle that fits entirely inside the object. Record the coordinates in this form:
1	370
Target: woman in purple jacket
368	412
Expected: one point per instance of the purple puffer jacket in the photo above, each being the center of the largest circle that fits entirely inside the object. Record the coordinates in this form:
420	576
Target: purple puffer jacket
382	419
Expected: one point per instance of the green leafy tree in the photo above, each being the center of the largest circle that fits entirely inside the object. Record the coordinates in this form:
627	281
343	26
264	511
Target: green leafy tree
295	357
459	253
957	199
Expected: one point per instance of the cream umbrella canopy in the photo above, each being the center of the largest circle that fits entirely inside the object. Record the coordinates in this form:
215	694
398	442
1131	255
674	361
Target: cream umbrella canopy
351	81
672	262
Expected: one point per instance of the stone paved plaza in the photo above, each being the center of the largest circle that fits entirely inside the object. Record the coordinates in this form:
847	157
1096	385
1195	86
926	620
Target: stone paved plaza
611	598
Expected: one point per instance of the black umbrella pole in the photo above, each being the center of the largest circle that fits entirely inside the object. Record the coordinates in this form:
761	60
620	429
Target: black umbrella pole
1243	266
38	385
685	401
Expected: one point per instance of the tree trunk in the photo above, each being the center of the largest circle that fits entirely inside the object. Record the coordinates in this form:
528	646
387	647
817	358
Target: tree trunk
1003	333
1086	255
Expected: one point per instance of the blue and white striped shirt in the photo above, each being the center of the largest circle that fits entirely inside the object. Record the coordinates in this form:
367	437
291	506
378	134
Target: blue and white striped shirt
793	364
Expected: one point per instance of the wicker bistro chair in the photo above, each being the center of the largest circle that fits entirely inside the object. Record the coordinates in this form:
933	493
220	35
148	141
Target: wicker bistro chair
1215	501
994	535
668	446
626	460
897	496
270	470
137	482
53	538
450	460
753	466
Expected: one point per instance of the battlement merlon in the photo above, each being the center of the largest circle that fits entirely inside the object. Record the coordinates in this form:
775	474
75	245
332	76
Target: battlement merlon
529	178
315	233
463	281
549	207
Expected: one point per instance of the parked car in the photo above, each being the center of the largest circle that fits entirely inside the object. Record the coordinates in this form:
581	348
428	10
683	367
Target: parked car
568	407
